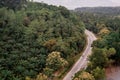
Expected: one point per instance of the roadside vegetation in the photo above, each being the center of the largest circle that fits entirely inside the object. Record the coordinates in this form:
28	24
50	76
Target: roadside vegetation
106	49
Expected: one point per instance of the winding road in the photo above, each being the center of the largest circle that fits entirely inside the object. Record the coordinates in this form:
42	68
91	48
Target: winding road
82	62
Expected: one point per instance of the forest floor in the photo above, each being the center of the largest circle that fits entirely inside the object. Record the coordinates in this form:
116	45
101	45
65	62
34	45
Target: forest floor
113	73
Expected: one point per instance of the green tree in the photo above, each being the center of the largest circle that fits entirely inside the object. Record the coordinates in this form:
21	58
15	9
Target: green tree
48	72
12	4
64	11
100	43
98	58
98	73
110	52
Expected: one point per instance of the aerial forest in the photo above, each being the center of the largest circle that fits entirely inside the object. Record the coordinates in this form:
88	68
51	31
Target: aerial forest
37	40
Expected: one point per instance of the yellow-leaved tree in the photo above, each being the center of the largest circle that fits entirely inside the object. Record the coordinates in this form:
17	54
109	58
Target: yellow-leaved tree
84	76
55	61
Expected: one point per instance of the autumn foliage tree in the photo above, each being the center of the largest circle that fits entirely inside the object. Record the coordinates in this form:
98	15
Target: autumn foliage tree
55	61
83	75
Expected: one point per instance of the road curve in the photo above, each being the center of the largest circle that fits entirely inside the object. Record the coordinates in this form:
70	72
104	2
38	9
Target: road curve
82	62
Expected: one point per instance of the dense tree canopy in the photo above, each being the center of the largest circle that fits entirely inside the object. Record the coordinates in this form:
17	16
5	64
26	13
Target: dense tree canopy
28	36
13	4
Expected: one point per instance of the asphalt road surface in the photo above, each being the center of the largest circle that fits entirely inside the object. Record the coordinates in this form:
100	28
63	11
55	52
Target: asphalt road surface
82	62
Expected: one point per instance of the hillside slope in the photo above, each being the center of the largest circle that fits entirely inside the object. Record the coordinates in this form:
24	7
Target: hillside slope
30	34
